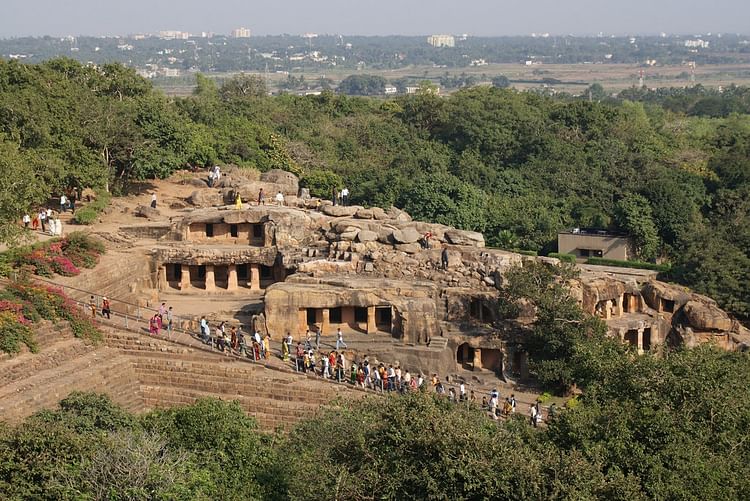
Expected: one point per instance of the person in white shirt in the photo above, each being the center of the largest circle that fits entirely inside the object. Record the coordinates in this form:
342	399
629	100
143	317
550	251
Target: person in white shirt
344	196
26	220
280	198
63	203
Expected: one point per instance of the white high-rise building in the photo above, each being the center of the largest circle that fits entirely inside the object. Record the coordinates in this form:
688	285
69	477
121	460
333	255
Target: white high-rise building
241	33
441	40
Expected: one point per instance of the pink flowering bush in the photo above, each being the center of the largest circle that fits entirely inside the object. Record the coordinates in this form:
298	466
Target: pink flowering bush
64	266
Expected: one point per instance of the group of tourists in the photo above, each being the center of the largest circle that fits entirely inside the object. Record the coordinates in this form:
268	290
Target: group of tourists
231	340
340	197
162	319
45	220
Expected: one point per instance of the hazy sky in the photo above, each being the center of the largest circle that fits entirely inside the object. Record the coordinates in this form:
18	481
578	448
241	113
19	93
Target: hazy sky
374	17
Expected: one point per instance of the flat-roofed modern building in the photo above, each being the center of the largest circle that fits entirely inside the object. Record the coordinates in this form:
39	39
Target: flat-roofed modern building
589	242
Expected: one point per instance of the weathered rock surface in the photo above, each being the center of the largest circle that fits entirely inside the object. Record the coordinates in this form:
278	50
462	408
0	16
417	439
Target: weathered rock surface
339	210
289	181
148	212
206	197
463	237
706	316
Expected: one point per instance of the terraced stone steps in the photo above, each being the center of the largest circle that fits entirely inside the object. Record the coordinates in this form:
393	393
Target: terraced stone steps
102	370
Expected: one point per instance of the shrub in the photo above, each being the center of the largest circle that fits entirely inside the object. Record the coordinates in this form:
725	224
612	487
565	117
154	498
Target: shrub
565	258
63	266
661	268
525	252
87	215
13	332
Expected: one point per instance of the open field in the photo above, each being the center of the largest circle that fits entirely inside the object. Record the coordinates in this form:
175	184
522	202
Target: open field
575	77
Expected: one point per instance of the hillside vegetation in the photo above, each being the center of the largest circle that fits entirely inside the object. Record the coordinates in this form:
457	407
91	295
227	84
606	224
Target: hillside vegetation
517	166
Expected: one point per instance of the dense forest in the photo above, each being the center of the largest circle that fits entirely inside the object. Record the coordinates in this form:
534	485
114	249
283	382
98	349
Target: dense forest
517	166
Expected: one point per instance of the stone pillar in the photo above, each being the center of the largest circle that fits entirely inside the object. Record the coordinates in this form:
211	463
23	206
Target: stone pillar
619	309
255	277
607	310
477	359
640	341
162	283
210	281
371	324
185	277
232	283
326	321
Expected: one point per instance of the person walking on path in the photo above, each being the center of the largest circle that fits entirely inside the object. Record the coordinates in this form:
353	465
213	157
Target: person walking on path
317	337
63	203
105	308
340	339
26	220
153	325
42	219
92	307
284	350
153	200
170	318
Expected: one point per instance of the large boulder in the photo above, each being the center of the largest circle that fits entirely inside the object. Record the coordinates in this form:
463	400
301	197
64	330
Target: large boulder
379	214
398	215
655	292
206	198
147	212
406	236
412	248
283	178
706	317
339	210
463	237
249	191
367	236
363	213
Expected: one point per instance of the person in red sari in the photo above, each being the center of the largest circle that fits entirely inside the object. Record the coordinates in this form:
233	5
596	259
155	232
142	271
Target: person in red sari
153	325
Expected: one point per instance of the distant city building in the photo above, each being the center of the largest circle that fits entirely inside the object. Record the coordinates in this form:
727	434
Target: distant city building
441	40
171	72
174	35
697	44
241	33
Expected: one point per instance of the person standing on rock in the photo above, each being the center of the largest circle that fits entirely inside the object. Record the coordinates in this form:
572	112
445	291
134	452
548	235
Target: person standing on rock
317	337
300	357
261	197
280	199
266	346
63	203
345	196
238	202
340	339
444	258
153	200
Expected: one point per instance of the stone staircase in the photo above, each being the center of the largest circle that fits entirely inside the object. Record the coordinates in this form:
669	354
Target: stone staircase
170	374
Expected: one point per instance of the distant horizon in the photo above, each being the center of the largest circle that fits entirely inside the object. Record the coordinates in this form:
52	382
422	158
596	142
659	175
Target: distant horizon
479	18
197	34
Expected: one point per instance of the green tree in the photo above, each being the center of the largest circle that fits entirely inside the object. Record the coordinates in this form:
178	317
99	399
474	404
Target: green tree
633	215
